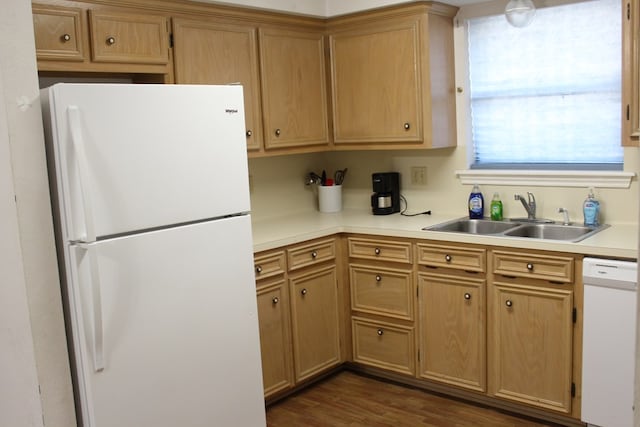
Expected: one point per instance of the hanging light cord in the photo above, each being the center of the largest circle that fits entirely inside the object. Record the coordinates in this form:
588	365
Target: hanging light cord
406	206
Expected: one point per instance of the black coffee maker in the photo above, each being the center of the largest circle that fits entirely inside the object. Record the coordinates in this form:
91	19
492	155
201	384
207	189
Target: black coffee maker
385	199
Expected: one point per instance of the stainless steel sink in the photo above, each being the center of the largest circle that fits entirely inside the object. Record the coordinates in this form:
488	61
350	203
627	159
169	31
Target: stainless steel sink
573	233
541	229
474	226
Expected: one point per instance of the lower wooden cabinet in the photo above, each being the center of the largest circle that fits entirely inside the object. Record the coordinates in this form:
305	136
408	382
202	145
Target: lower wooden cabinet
452	330
298	312
275	336
314	312
531	341
481	321
384	345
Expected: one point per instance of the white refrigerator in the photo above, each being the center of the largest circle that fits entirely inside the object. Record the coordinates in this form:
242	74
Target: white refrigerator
151	194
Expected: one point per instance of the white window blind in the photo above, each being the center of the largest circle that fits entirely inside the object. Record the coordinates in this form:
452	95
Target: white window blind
548	95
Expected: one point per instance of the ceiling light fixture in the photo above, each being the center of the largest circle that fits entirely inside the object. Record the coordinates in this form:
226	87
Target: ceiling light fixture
520	13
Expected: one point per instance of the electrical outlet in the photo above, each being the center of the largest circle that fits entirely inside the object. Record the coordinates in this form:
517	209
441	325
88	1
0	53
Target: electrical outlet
418	175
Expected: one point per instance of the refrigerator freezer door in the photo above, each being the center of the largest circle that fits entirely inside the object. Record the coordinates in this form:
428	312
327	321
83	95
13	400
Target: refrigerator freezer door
135	157
179	324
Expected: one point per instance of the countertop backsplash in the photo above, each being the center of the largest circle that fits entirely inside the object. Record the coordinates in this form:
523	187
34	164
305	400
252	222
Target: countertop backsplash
278	185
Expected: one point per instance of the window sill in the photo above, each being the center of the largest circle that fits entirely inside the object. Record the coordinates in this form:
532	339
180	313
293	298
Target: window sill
543	178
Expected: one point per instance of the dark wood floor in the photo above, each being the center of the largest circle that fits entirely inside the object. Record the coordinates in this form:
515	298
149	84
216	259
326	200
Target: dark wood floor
348	399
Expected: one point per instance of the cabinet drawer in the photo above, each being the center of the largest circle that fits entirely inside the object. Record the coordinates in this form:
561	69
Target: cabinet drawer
381	250
383	291
534	266
467	259
58	33
309	254
269	265
129	38
383	345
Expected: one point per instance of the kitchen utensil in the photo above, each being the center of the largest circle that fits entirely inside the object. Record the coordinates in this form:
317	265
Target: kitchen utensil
338	177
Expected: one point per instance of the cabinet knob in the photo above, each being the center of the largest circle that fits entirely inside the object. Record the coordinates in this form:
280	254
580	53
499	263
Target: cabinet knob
448	258
529	266
467	296
377	251
66	37
407	126
111	40
275	300
303	291
258	269
509	303
314	254
380	332
249	133
278	132
378	278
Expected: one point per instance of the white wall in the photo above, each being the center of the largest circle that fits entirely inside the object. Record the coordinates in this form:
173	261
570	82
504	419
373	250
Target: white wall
19	399
32	339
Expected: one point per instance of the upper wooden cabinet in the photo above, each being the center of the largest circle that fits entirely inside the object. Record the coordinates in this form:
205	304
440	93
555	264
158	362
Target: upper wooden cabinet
392	78
125	37
58	33
293	82
105	40
631	73
212	52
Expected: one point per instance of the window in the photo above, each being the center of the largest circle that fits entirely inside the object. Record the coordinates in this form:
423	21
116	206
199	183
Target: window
547	96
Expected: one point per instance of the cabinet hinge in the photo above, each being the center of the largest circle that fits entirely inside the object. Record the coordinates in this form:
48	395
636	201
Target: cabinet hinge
418	355
170	39
628	10
574	315
628	112
573	389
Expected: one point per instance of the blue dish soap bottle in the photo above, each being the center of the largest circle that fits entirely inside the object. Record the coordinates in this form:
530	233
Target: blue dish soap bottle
591	210
476	203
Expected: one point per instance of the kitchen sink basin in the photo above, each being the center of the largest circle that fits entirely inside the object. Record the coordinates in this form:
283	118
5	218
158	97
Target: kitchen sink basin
540	229
473	226
572	233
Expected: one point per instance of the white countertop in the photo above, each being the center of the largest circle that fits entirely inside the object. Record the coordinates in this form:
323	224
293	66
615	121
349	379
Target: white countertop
617	241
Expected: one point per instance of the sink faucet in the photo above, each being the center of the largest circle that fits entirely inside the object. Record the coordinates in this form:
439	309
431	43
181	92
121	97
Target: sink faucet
566	216
529	207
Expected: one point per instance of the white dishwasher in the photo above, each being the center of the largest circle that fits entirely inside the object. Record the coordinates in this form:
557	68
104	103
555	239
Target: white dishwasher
609	342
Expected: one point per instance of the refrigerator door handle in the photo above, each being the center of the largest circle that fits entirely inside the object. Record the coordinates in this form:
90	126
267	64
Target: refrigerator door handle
96	308
75	129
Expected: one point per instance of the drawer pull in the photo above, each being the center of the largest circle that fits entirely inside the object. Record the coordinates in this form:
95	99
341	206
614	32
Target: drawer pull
278	132
509	303
303	292
380	332
407	126
467	296
66	37
378	278
258	269
111	40
447	258
314	254
377	251
529	266
275	300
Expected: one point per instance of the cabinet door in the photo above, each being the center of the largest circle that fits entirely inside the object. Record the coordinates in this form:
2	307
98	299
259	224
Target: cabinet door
58	33
208	52
531	345
314	308
275	337
631	73
376	83
293	88
129	38
452	330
